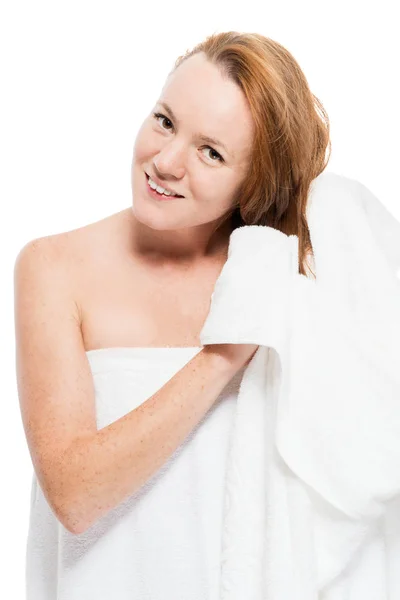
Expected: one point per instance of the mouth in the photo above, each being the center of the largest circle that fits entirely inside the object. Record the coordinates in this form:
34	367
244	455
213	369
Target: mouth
163	195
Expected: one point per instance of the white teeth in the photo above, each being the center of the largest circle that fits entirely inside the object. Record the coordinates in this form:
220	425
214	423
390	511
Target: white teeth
159	189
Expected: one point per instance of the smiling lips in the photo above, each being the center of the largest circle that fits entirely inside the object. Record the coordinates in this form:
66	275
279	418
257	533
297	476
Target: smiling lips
173	194
157	195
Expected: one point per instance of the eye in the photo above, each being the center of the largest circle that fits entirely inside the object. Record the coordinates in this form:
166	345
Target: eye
162	117
219	157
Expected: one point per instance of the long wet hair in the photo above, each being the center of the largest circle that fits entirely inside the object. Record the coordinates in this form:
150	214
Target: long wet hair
292	143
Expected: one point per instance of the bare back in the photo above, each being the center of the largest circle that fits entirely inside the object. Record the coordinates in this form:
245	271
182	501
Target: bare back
124	301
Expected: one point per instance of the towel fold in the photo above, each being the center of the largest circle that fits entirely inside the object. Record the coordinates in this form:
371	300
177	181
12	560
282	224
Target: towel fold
315	449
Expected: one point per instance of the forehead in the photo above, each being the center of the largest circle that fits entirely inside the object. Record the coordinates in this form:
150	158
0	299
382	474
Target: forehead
205	102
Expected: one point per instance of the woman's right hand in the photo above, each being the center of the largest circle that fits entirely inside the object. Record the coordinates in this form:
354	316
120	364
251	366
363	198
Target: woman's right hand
238	355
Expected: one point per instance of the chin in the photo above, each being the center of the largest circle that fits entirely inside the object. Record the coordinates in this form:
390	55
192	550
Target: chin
147	217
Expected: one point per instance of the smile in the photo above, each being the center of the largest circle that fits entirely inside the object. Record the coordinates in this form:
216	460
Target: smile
156	189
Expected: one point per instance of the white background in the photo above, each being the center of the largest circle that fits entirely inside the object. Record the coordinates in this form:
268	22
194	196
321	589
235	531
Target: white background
77	80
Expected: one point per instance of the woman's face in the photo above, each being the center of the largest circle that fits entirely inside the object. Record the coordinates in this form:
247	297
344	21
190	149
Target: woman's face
170	147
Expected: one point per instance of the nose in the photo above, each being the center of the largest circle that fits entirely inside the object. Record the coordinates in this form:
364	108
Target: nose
169	163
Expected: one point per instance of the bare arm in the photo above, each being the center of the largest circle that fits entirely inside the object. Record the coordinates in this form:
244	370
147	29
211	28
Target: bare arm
99	473
85	472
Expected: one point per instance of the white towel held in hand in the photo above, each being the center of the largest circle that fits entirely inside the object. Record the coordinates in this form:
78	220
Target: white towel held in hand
314	459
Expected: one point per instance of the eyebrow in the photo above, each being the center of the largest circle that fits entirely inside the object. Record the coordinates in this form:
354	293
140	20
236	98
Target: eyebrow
204	138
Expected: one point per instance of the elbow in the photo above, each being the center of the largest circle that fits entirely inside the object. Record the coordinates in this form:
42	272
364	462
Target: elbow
67	518
67	503
61	505
61	509
72	525
69	521
75	530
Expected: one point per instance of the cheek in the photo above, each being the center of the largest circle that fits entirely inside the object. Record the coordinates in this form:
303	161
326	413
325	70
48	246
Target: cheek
144	145
215	202
219	193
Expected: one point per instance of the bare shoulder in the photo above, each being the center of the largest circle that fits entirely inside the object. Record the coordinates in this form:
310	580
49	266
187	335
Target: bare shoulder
65	256
43	262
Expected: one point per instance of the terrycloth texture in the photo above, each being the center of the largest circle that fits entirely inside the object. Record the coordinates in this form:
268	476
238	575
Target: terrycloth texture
163	542
313	483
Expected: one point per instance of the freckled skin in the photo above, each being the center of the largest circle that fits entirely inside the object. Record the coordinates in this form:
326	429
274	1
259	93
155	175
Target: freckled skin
141	277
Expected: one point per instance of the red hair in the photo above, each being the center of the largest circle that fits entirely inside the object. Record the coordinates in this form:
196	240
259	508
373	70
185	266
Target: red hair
291	133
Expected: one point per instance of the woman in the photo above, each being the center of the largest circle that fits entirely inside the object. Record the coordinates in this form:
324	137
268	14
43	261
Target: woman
126	416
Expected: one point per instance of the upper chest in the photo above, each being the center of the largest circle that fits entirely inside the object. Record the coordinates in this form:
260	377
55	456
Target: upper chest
124	302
